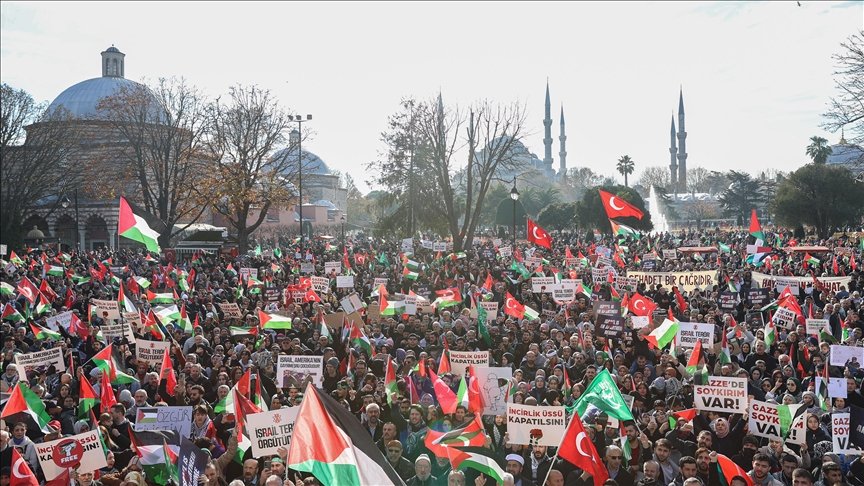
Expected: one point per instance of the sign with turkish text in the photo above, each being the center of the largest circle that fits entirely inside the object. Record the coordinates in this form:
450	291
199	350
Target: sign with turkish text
82	452
840	424
231	310
178	419
690	332
296	369
683	280
270	431
831	284
722	394
528	424
461	360
151	352
39	361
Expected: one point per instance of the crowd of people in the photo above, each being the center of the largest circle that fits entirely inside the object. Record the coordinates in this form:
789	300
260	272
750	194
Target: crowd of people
554	355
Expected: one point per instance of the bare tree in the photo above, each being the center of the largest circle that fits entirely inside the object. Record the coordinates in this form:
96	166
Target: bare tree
163	127
250	175
581	179
34	162
698	179
700	211
657	176
491	133
846	109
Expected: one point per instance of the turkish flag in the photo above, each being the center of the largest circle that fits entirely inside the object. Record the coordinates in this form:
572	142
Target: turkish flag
513	307
641	305
617	207
28	290
538	235
577	449
21	473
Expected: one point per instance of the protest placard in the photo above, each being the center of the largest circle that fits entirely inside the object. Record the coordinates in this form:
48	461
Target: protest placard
231	310
532	262
39	361
831	284
610	327
815	326
607	308
840	423
351	303
461	360
563	295
295	369
670	254
245	272
491	309
543	426
683	280
638	322
64	320
133	319
494	383
117	330
151	352
345	281
542	285
271	294
758	297
178	419
784	318
408	245
722	394
82	452
379	281
320	284
766	419
439	246
100	307
307	267
332	267
269	431
781	283
410	305
844	355
426	244
836	386
690	332
728	300
599	275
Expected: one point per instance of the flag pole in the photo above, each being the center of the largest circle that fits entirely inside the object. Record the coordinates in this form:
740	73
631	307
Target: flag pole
555	457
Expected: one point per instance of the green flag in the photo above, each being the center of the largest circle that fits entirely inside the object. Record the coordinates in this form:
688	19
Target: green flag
482	328
604	394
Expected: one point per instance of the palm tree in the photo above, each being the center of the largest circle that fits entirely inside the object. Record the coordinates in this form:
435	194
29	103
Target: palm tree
818	150
625	167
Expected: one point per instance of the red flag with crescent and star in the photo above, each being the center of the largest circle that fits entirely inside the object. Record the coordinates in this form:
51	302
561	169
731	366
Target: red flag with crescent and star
641	305
21	473
513	307
616	207
577	449
538	235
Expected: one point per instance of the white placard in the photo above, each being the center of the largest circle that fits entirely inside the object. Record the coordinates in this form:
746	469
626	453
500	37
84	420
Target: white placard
330	267
345	281
271	430
505	251
320	284
3	250
117	330
63	320
352	303
151	352
39	360
840	423
82	450
640	321
491	310
764	419
784	318
307	267
815	326
460	360
245	272
294	369
101	306
542	284
427	244
722	394
670	254
408	245
178	419
836	386
379	281
494	383
563	295
528	424
439	246
690	332
840	355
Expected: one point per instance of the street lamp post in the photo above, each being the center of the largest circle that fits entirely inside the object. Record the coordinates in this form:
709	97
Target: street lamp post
342	220
299	119
514	195
65	203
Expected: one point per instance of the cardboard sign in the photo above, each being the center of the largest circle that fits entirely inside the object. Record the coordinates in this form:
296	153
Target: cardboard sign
345	281
840	423
494	383
101	306
722	394
542	285
39	361
815	326
758	297
231	310
295	369
765	419
178	419
320	284
784	318
683	280
831	284
334	320
528	424
690	332
269	431
460	360
841	355
83	452
352	303
151	352
610	327
331	267
63	320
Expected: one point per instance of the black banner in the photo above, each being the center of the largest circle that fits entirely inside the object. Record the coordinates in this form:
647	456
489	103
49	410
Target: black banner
758	297
190	463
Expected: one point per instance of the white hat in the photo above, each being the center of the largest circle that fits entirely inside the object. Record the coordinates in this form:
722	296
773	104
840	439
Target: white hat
515	457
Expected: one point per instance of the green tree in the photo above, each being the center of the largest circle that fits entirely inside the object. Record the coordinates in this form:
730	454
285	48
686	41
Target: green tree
558	216
591	214
824	197
818	150
744	193
625	167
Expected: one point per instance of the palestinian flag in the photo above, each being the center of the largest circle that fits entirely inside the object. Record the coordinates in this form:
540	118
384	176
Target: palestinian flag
390	307
811	260
406	273
358	339
330	443
788	415
622	231
7	289
132	226
274	321
86	398
168	314
822	391
725	356
685	415
755	227
17	260
42	333
390	382
43	306
410	264
447	298
152	447
476	458
472	435
664	334
229	270
54	270
243	331
586	291
164	298
11	314
770	333
23	400
728	469
104	360
695	357
185	322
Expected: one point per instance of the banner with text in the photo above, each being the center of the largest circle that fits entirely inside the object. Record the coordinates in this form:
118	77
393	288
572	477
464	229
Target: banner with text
461	360
294	370
832	284
722	394
527	424
82	451
683	280
269	431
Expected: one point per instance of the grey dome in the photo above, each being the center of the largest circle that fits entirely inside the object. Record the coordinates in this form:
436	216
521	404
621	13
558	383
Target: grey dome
82	99
845	154
327	204
312	164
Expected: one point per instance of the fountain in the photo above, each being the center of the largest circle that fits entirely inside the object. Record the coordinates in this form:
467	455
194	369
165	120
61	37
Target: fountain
657	216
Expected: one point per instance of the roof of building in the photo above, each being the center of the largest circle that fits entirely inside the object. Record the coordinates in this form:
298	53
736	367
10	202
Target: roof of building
312	164
846	154
81	99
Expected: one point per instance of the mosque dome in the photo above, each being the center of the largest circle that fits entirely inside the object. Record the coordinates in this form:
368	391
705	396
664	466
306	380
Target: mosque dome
312	164
847	155
80	100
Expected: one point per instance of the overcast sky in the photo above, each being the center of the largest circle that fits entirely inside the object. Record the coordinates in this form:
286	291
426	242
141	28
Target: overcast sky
756	76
